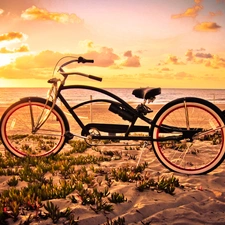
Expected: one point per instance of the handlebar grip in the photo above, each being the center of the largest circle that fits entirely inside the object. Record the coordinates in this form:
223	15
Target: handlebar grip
89	60
83	60
95	78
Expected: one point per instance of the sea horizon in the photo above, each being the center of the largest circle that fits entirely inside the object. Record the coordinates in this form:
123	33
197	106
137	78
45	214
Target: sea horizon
11	94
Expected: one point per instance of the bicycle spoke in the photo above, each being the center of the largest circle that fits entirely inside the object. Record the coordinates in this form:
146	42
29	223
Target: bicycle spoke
201	149
22	138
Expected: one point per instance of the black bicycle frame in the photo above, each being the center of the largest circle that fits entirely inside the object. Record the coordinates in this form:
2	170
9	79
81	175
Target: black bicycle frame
113	128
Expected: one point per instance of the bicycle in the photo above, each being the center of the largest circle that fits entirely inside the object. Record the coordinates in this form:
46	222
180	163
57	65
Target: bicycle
186	134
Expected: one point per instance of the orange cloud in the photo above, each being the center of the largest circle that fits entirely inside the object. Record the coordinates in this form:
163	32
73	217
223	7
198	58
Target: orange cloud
128	54
35	13
22	48
198	1
165	69
41	65
207	27
206	59
216	62
104	57
131	61
1	11
194	58
183	75
31	66
190	12
172	59
189	55
12	36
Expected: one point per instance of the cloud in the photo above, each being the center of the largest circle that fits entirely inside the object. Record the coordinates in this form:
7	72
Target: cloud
165	69
12	36
1	11
35	13
38	66
206	59
207	27
183	75
198	57
190	12
189	55
131	61
41	65
216	62
172	59
103	57
128	54
204	55
22	48
198	1
194	58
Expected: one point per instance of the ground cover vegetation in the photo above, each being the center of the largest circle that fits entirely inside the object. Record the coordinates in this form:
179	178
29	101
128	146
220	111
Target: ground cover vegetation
80	178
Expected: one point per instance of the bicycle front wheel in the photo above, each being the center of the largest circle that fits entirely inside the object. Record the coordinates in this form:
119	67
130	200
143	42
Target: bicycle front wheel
17	125
198	153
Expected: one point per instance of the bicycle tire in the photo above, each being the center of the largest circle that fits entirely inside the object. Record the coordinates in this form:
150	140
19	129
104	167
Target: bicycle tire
198	156
16	128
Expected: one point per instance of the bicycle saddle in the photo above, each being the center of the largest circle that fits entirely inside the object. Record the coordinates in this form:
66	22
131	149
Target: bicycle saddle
146	93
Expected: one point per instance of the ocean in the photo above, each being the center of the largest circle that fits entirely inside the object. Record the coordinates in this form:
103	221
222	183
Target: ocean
216	96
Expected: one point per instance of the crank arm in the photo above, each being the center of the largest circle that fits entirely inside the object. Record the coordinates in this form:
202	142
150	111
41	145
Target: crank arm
70	136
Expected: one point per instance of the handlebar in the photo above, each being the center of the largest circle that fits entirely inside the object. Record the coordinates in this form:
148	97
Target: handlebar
78	60
95	78
83	60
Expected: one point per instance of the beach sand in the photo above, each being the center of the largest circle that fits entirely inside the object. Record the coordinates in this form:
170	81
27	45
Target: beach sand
200	201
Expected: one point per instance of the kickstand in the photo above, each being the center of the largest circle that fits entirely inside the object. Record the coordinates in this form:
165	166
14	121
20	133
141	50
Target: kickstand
143	146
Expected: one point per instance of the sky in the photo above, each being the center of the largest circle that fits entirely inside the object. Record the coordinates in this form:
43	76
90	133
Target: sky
134	43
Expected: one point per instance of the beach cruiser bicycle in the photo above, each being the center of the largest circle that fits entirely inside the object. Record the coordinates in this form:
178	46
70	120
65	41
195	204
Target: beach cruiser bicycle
186	134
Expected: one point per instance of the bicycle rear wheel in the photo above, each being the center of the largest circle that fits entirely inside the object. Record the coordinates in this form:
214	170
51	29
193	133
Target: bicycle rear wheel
18	121
201	153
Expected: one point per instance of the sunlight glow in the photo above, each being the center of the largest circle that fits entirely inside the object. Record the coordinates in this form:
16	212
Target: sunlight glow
4	82
4	59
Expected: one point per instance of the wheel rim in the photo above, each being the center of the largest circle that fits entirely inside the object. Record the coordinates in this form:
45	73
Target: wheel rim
191	157
19	139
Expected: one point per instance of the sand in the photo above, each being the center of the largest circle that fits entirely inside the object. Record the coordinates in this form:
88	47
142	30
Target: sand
201	201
